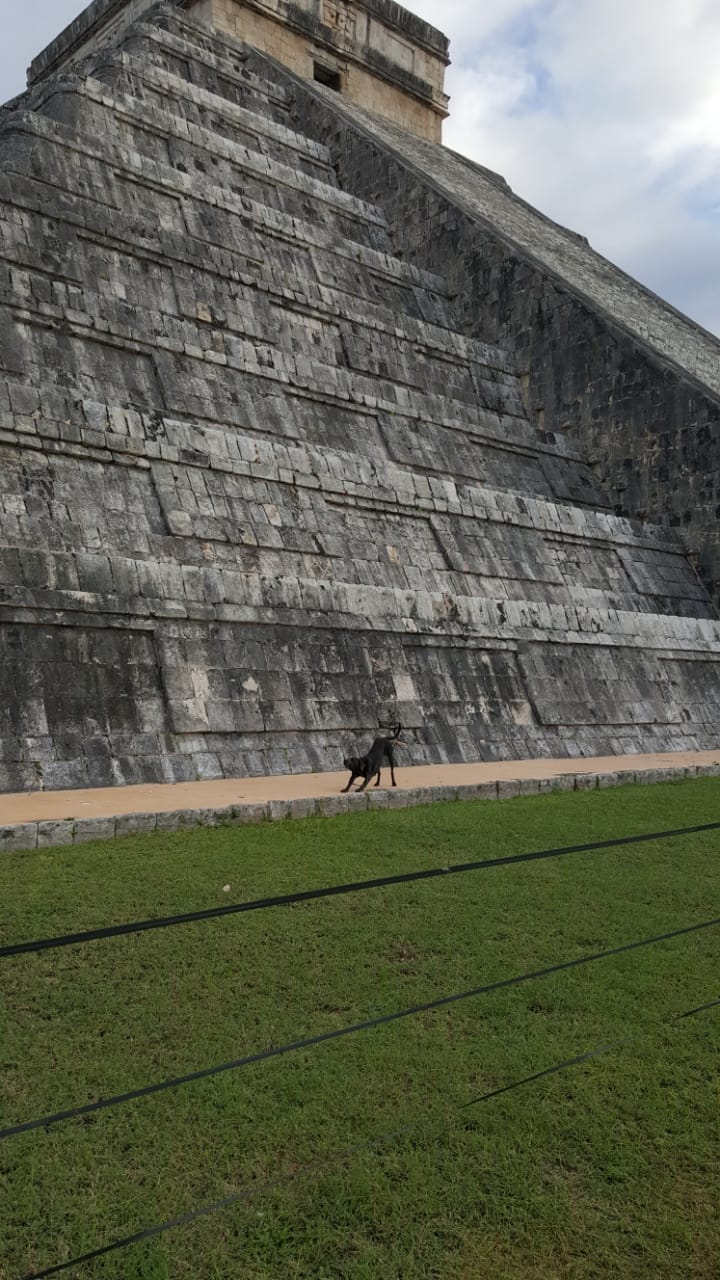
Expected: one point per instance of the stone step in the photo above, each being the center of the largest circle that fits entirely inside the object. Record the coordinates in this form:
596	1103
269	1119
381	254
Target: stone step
203	39
162	194
378	323
388	530
195	56
90	110
145	588
154	361
48	416
268	524
160	90
289	275
151	575
187	311
82	249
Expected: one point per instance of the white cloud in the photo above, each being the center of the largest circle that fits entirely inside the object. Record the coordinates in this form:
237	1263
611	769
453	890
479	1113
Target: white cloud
605	115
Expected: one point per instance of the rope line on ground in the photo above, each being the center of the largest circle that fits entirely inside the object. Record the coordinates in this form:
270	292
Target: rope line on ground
103	1104
587	1057
318	1168
333	891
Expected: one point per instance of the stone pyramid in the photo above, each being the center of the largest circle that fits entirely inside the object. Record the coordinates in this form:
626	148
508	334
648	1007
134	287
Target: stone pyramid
257	491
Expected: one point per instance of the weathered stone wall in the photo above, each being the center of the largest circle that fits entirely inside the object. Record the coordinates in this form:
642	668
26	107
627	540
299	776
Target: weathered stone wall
256	492
606	362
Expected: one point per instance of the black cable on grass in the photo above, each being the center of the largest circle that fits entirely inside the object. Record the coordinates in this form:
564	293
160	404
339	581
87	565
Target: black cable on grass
317	1168
103	1104
335	891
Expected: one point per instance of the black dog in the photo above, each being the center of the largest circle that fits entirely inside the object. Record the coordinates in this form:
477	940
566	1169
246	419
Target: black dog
369	766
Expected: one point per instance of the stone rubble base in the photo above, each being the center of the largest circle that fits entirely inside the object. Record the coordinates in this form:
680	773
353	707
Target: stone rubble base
51	834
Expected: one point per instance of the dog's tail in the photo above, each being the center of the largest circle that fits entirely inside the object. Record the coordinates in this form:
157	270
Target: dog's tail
395	736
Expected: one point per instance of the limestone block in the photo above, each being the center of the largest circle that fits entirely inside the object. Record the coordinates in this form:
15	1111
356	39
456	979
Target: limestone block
50	834
175	820
436	795
135	824
586	781
377	798
563	782
88	829
508	789
528	787
18	837
245	813
303	808
331	806
396	799
609	779
649	776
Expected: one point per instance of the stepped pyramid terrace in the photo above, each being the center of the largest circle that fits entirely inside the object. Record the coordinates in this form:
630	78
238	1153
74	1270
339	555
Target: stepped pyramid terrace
307	422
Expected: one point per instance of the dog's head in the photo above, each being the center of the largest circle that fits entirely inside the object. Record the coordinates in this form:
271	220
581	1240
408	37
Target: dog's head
353	763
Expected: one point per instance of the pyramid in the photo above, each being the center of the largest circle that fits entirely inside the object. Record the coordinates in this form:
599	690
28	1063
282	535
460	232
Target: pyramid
261	486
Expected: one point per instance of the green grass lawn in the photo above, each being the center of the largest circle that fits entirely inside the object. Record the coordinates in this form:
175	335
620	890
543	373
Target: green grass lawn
609	1169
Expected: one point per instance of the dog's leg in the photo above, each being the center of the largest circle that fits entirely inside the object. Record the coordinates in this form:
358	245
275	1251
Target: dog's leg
377	784
391	762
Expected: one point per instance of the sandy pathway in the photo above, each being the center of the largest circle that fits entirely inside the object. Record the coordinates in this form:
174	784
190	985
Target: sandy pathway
165	798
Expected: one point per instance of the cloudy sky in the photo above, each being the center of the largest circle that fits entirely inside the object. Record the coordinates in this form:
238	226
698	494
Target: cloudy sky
603	113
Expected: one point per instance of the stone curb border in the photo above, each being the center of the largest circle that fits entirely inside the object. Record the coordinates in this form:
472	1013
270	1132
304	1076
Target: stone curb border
53	833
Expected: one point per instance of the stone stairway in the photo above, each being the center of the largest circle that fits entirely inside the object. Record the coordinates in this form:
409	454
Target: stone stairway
255	491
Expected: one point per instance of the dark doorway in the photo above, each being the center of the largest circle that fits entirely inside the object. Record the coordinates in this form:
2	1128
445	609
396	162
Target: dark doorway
325	75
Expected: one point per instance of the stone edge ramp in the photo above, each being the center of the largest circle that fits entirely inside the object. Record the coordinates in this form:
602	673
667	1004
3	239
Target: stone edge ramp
50	833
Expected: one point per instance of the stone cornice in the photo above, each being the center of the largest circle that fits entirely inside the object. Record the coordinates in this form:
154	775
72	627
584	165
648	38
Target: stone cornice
99	12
